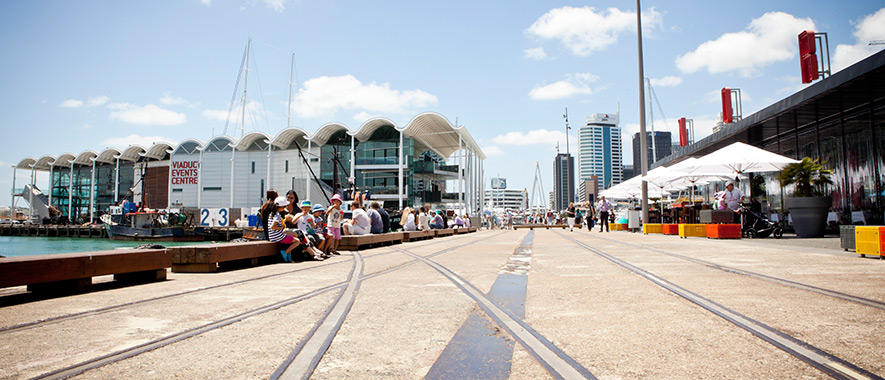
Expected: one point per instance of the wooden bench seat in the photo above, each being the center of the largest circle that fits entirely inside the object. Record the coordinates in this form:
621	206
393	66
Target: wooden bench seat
74	271
206	258
417	235
443	232
460	231
359	242
472	229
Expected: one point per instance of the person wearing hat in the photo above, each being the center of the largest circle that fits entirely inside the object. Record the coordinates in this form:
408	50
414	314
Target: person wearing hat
304	223
732	197
319	224
276	228
334	217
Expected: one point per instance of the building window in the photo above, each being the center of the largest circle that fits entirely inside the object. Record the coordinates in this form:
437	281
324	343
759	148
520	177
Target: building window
211	189
253	167
177	190
287	166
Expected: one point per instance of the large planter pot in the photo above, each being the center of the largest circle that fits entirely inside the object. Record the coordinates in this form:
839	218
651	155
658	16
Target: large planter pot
809	215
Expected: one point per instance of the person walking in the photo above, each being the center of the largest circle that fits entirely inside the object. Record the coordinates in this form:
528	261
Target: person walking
570	216
604	208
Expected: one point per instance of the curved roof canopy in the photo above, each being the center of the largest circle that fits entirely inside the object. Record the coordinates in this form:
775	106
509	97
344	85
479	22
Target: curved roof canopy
251	138
286	137
64	160
108	156
158	151
189	146
325	132
44	163
132	153
26	163
370	126
85	158
436	132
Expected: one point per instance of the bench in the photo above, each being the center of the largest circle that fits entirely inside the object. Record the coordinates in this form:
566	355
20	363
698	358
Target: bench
359	242
472	229
74	271
417	235
443	232
460	231
207	258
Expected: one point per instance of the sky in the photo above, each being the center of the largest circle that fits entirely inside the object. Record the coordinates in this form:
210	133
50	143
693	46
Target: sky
88	75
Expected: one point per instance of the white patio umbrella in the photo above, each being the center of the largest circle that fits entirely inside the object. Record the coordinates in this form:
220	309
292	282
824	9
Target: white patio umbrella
692	179
663	178
739	158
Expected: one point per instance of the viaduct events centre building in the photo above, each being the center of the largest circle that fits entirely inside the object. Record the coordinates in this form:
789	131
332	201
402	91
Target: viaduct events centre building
427	161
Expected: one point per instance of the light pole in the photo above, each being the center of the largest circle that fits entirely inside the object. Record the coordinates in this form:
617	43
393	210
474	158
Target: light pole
643	139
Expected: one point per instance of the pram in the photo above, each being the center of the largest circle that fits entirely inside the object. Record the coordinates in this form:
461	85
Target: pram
756	225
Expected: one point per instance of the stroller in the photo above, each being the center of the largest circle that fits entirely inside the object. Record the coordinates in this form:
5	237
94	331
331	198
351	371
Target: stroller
756	225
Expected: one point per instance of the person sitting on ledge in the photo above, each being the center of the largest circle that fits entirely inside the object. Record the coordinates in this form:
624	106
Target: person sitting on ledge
360	224
377	224
437	222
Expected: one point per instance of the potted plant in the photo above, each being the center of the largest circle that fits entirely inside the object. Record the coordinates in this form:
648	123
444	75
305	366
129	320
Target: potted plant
809	205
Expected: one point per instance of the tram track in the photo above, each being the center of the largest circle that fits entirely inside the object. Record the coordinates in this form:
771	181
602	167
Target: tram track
310	350
125	305
759	276
828	363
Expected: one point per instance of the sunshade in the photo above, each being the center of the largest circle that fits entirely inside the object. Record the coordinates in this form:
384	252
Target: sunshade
739	158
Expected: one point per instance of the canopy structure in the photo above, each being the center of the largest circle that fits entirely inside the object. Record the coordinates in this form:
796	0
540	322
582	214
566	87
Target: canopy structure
739	158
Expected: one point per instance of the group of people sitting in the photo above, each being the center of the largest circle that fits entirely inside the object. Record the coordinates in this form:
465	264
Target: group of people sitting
312	231
419	220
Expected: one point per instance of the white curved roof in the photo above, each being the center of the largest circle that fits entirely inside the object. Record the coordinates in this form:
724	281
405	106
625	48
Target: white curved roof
108	156
197	143
250	138
132	153
325	132
44	163
429	128
370	126
285	138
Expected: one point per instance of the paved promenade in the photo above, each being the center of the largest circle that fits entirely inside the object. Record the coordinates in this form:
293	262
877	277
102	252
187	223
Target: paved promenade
489	305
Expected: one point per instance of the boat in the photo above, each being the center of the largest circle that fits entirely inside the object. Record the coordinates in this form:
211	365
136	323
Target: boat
150	226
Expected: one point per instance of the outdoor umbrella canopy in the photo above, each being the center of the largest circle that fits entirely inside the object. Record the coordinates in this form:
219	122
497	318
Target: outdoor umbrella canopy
692	179
739	158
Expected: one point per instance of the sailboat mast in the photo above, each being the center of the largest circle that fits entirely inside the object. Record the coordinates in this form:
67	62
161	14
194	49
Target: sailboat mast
289	105
245	85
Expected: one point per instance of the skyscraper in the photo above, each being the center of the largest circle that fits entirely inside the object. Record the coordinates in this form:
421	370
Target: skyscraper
563	181
662	148
601	150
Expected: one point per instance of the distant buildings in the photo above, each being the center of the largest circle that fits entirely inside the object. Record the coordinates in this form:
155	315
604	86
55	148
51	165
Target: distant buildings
588	189
563	181
600	150
629	172
662	146
507	199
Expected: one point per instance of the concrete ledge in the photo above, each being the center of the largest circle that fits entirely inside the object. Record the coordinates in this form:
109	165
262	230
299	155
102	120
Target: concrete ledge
724	231
416	235
460	231
359	242
472	229
75	270
206	258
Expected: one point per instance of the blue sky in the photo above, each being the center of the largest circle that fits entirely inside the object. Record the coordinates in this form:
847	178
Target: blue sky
90	75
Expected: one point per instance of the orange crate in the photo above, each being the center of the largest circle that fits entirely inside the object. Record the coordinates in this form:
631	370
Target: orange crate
671	229
724	231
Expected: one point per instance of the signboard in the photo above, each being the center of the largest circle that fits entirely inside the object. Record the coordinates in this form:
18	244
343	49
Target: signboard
214	217
185	172
499	183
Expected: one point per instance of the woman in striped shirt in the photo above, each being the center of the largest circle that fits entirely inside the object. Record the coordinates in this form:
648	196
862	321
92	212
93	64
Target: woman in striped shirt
275	232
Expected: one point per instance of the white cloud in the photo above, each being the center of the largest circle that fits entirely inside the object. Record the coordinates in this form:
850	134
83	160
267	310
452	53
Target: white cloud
96	101
146	115
71	103
870	28
574	84
323	96
668	81
254	113
586	30
169	100
206	2
276	5
534	137
133	139
768	39
493	151
537	54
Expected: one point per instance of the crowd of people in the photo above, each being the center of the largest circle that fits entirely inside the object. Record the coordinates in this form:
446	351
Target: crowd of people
589	214
311	231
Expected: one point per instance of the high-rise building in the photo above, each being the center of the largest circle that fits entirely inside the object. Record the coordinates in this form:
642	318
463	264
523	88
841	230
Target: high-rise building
563	181
662	147
588	189
601	150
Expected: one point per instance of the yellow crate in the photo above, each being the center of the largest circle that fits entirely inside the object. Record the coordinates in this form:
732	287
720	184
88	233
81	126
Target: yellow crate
615	226
697	230
653	228
869	240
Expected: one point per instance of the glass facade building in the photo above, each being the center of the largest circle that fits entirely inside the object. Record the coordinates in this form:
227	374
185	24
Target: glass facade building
841	121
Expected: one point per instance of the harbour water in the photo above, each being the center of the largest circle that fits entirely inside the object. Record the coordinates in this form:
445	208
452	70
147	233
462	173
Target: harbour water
12	246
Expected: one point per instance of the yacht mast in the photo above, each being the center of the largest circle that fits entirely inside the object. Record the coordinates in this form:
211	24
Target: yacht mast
289	105
245	85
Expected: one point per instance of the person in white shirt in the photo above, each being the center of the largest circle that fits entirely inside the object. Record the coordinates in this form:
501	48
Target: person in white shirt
423	221
604	208
360	224
732	197
408	219
466	221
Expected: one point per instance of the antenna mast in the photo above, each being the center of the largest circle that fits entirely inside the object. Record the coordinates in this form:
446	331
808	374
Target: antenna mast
245	84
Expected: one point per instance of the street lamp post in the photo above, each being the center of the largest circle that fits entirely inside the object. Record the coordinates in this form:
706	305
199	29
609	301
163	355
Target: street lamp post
643	139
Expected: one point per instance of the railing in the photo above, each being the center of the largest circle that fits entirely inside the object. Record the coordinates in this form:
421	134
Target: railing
377	161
